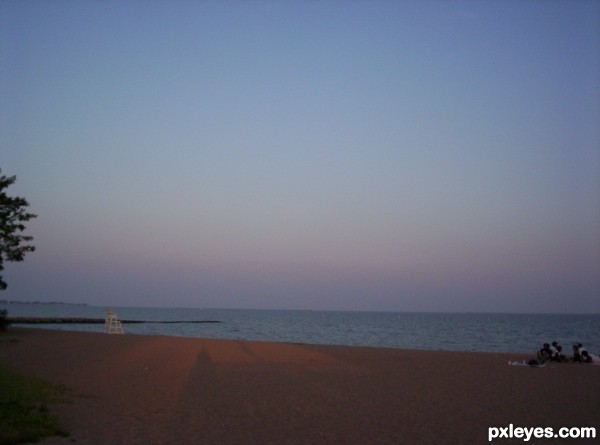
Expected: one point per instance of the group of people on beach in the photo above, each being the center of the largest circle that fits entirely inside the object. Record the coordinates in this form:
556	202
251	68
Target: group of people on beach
553	353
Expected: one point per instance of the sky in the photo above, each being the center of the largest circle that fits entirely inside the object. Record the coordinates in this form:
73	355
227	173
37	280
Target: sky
323	155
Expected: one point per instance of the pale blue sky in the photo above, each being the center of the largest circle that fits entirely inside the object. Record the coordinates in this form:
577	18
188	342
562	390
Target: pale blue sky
405	155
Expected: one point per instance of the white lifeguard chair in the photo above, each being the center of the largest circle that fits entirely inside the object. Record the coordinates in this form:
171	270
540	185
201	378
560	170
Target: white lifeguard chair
112	325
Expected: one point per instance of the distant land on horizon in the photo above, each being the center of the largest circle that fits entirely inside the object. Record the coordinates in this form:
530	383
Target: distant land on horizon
47	303
41	302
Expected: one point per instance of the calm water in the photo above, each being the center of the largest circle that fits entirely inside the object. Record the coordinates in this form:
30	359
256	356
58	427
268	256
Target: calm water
446	331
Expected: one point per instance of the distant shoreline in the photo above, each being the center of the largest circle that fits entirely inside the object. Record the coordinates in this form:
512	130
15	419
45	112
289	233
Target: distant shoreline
42	303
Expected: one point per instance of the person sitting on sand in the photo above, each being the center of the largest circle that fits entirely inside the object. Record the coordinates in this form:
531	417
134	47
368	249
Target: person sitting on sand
554	353
544	353
586	357
561	356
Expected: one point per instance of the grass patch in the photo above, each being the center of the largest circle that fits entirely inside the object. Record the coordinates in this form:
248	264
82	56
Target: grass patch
24	408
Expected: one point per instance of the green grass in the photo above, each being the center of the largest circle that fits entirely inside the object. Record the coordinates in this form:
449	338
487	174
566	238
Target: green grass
25	408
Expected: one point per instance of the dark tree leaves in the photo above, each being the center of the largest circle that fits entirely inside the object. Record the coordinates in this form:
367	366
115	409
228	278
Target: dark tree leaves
13	216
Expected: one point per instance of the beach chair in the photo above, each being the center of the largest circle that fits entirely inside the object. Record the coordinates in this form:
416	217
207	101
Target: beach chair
112	325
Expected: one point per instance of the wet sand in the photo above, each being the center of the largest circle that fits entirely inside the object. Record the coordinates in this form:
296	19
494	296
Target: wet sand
135	389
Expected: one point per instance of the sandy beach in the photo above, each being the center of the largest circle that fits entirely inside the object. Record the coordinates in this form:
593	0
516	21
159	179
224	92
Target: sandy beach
168	390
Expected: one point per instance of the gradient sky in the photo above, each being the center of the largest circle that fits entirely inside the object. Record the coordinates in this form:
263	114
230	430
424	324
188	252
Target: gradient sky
360	155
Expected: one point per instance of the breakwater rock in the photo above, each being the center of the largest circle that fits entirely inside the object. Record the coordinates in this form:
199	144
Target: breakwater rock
81	320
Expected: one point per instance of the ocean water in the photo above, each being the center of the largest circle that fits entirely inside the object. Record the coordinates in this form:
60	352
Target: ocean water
484	332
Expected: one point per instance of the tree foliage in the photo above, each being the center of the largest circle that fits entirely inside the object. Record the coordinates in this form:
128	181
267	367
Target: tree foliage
13	216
